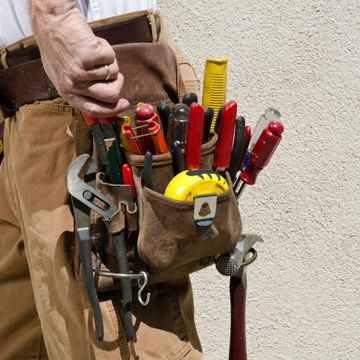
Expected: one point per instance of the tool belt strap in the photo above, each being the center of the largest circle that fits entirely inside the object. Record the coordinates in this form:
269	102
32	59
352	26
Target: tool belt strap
22	77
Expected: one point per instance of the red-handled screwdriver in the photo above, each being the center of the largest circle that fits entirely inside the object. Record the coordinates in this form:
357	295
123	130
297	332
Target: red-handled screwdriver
260	156
194	136
222	153
128	179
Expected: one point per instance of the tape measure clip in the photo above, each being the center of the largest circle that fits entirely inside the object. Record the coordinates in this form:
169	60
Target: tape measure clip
205	208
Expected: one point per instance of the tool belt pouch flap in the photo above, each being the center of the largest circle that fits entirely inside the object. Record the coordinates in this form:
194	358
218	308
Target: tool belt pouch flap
101	231
151	73
170	242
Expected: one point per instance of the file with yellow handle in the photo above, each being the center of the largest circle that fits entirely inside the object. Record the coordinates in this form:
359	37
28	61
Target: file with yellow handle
214	85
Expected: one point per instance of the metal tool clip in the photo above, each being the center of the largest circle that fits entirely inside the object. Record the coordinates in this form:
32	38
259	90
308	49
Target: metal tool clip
142	277
204	209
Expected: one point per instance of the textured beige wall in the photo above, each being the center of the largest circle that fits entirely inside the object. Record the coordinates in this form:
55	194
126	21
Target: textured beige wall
304	58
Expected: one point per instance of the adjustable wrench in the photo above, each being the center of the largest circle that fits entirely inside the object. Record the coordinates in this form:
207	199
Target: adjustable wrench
84	198
78	190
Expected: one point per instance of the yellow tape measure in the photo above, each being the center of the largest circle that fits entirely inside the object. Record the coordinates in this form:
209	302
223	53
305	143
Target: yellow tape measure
1	146
190	183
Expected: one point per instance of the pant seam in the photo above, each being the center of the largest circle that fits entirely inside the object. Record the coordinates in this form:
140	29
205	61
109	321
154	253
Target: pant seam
117	326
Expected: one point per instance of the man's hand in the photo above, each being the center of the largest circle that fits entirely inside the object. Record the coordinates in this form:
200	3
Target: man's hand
74	58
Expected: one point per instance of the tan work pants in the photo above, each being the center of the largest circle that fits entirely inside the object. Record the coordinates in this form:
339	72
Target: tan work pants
42	297
44	311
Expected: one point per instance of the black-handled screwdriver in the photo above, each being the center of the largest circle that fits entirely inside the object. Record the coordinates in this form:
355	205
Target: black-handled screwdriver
208	117
217	121
147	178
237	146
163	110
178	158
189	98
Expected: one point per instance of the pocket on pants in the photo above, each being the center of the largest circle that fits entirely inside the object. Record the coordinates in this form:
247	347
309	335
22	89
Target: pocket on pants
163	331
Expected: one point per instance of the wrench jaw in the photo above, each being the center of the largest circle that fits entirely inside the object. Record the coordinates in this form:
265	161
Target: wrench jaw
85	193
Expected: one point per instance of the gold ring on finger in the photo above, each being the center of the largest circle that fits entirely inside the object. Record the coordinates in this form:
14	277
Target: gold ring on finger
108	73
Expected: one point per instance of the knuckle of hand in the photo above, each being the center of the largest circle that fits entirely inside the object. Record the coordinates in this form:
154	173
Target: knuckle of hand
105	52
90	110
80	75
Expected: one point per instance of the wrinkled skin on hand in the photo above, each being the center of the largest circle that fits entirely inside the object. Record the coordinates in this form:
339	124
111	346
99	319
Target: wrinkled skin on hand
74	58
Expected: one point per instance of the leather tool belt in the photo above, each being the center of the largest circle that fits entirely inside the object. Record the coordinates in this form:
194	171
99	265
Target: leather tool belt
23	79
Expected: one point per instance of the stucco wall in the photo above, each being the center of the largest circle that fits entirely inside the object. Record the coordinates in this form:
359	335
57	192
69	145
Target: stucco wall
302	57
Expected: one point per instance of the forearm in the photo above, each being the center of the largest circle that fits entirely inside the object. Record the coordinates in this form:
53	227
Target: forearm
50	10
50	16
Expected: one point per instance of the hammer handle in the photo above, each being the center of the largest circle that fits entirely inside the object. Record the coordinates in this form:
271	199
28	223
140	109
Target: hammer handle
238	301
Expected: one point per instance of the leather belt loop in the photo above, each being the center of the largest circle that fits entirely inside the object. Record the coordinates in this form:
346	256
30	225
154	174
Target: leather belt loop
152	22
4	63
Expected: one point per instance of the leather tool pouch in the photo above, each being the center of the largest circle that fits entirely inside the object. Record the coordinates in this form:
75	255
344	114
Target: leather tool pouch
161	233
170	242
